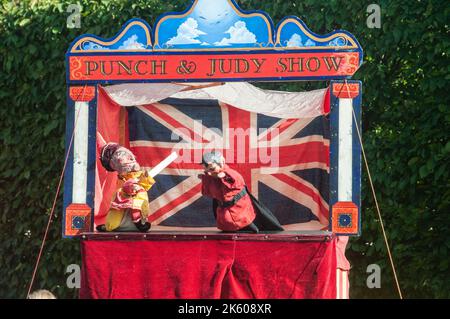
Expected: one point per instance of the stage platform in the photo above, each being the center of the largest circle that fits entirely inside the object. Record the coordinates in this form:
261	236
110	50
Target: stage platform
211	235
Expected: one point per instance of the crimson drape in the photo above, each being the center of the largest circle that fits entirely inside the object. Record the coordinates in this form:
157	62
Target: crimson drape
194	269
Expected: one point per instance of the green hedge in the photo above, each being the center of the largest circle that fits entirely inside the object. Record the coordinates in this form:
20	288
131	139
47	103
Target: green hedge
405	121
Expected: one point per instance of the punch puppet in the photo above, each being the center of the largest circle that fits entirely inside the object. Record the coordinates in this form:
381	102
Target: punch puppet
130	205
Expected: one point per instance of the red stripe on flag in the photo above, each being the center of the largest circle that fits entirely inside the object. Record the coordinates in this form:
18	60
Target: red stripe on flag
315	196
150	156
177	201
304	153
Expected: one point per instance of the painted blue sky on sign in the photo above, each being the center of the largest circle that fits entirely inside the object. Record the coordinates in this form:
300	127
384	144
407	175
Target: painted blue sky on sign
214	25
136	37
294	33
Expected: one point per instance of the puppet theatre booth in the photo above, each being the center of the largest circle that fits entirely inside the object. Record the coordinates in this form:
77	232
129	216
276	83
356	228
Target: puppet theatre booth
165	96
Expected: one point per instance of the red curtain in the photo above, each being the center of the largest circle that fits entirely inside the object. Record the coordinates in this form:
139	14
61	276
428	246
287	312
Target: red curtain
204	269
112	126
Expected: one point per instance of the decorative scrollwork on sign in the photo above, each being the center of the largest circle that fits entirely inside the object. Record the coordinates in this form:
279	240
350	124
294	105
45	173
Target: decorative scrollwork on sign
352	63
75	68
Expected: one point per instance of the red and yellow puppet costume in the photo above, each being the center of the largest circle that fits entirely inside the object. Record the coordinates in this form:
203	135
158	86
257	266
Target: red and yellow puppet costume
131	198
130	203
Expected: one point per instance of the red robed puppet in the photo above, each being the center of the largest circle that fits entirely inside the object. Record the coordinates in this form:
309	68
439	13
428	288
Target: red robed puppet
234	207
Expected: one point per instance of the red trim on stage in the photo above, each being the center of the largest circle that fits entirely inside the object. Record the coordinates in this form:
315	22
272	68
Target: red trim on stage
306	235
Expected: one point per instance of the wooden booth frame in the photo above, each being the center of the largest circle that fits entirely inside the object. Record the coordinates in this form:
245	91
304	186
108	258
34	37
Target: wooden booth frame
287	52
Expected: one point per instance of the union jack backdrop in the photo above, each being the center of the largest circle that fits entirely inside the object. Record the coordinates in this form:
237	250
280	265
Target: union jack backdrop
285	162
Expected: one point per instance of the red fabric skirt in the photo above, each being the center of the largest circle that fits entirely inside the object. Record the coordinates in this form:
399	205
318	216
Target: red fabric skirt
204	269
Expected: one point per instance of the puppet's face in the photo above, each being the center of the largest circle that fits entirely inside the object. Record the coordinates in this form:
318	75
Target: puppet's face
123	161
213	169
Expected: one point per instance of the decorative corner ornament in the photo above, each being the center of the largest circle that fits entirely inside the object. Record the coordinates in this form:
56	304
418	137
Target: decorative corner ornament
345	219
78	219
82	93
346	90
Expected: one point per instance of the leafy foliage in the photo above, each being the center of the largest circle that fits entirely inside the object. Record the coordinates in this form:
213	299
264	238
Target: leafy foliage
406	127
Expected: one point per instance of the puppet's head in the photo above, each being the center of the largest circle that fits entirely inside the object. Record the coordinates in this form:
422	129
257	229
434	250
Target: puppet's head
215	157
118	158
213	162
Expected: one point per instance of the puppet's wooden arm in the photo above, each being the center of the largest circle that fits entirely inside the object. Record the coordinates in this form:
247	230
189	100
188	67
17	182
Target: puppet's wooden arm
162	165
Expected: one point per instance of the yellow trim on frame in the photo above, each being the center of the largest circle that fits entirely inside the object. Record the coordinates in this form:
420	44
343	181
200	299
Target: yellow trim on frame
117	38
309	34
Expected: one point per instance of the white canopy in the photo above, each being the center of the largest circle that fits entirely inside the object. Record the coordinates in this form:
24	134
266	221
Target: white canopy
238	94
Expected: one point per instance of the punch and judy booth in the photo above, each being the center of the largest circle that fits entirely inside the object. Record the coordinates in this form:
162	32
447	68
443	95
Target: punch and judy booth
188	84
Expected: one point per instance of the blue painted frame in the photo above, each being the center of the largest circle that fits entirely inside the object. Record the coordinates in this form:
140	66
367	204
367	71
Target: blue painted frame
68	174
92	149
334	151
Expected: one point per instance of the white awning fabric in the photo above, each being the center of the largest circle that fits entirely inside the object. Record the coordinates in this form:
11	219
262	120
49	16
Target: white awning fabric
242	95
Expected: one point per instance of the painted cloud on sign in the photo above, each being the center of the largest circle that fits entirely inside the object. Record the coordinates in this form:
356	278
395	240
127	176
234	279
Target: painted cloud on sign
211	24
132	44
187	33
296	41
238	34
93	46
310	43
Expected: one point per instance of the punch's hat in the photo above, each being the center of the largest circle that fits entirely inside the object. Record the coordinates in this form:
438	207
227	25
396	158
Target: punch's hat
106	155
106	151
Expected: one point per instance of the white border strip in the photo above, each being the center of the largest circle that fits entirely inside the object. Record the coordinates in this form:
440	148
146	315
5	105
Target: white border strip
345	163
80	153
